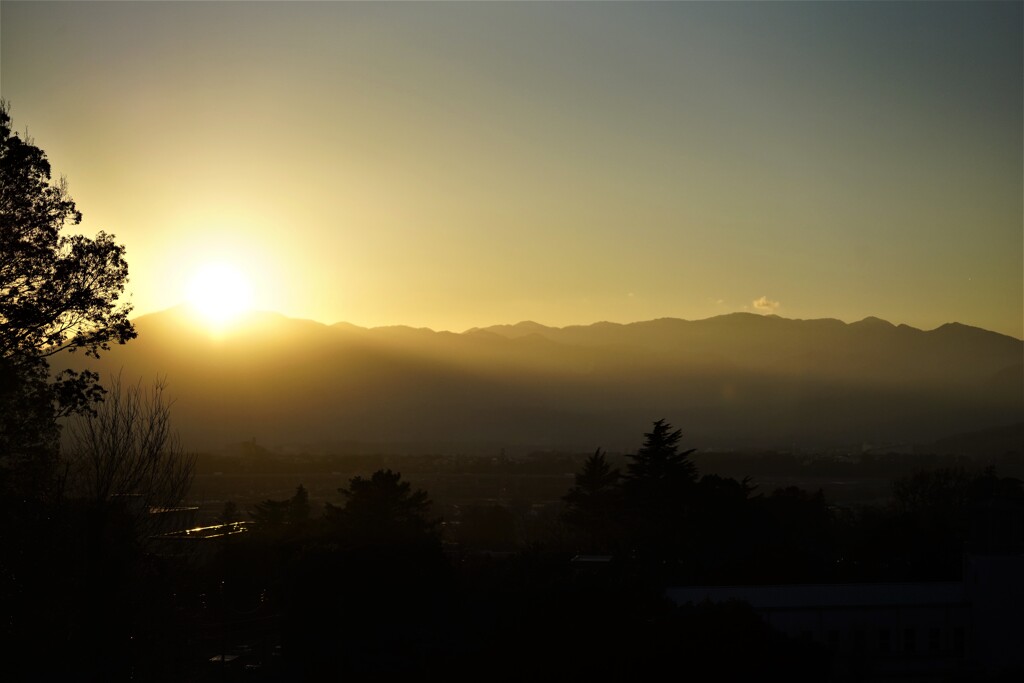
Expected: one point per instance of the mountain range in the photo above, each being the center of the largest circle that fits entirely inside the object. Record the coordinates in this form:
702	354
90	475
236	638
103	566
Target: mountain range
736	381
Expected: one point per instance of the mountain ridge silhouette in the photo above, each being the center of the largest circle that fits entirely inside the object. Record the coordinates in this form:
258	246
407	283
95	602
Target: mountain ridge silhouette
733	381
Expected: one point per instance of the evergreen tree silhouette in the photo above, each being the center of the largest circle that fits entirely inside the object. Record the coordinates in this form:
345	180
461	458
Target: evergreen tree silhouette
592	503
659	501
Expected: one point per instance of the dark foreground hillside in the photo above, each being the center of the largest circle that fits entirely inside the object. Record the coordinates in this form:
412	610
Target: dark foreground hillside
645	562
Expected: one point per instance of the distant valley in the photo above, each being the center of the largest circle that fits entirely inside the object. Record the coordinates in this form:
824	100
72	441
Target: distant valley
738	381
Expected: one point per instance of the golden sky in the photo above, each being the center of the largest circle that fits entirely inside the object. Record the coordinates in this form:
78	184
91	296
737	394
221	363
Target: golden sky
462	164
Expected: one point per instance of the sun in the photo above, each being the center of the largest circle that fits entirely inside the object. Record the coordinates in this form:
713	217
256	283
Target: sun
219	293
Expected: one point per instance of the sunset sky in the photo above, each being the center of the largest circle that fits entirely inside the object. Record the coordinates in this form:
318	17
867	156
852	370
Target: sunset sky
463	164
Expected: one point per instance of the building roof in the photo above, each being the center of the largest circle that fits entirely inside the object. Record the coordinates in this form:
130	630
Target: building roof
804	596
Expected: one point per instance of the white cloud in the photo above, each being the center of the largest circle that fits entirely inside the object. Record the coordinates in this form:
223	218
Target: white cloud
764	305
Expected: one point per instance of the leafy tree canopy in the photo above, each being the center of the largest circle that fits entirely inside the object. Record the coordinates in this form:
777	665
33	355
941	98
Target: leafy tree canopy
58	292
276	513
383	509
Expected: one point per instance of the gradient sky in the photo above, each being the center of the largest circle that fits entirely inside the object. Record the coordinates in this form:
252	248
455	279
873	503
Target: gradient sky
462	164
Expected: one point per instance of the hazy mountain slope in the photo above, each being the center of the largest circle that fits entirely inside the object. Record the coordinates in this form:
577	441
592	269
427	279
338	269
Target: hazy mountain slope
731	381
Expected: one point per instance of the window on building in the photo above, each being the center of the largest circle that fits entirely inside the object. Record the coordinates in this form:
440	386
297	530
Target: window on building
909	640
959	643
934	640
884	640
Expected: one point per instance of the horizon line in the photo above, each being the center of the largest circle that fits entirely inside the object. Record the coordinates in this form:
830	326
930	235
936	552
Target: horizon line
257	311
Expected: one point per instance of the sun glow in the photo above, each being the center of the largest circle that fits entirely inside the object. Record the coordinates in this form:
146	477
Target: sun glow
219	293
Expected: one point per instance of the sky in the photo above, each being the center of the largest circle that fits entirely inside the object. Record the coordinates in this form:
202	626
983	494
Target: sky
461	164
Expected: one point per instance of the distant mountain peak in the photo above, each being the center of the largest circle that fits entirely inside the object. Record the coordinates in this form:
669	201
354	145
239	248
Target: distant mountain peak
530	325
520	329
872	321
348	326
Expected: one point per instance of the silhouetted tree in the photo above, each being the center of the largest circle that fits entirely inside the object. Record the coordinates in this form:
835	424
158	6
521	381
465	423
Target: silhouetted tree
943	492
57	293
931	512
597	478
592	504
123	472
720	538
272	514
127	446
659	500
380	568
934	518
298	507
794	539
487	527
383	509
659	460
996	513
